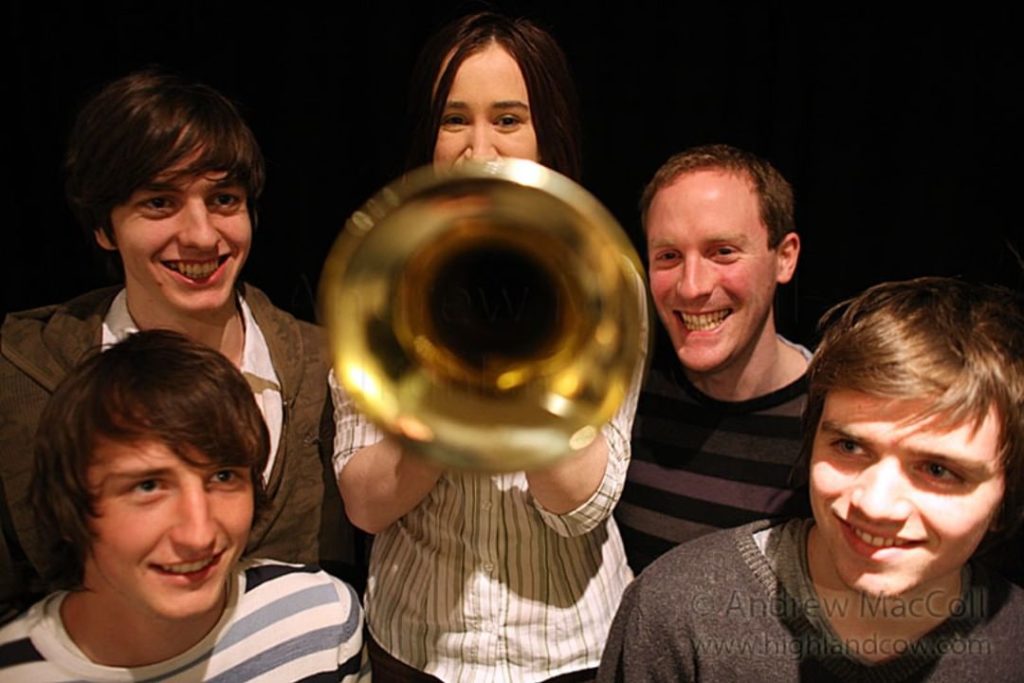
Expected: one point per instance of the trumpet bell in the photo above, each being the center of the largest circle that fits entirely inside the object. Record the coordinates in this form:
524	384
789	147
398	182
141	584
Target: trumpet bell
489	315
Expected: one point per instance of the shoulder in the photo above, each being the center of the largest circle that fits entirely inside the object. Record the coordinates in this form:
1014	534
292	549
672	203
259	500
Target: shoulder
44	342
998	602
697	567
293	602
706	549
290	622
282	330
295	588
25	640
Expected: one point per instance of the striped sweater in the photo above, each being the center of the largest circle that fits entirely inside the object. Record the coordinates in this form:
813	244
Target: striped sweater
282	623
700	464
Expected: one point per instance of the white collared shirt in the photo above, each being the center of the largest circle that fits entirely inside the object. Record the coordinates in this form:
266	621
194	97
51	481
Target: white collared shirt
480	583
257	366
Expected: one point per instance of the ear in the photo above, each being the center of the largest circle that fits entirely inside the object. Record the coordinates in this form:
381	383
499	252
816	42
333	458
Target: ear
104	241
786	256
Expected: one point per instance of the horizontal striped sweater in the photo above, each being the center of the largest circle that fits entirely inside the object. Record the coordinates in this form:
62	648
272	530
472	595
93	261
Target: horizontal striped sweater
282	622
700	464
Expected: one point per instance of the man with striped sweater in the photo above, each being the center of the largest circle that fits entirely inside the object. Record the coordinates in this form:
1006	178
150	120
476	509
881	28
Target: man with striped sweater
717	429
148	469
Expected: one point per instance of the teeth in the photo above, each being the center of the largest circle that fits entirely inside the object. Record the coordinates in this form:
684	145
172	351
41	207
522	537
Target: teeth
704	321
876	541
186	567
194	270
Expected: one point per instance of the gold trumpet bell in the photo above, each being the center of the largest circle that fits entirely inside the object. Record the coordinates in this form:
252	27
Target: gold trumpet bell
489	315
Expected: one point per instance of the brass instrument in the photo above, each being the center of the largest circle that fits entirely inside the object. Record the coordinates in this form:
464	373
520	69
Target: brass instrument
490	315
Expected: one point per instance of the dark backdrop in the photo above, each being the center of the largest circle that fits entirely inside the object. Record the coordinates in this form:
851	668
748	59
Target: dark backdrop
897	130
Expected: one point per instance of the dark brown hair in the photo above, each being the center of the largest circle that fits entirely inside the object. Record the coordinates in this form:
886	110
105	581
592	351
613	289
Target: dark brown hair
553	105
145	124
154	386
774	193
956	345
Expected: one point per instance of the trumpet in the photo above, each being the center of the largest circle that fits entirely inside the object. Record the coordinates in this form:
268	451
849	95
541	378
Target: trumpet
491	316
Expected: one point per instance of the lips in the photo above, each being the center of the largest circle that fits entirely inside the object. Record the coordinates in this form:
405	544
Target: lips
196	270
189	568
865	543
878	541
701	322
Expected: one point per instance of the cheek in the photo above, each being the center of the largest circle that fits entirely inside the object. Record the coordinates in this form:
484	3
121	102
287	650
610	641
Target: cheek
826	482
527	147
238	230
972	519
663	284
236	515
446	149
745	283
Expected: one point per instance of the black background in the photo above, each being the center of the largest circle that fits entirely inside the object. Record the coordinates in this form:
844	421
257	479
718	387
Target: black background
898	131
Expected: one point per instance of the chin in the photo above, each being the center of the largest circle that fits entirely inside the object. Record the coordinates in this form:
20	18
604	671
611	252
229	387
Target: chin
880	586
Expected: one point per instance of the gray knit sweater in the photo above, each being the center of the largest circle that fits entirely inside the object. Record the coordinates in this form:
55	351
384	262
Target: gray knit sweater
714	610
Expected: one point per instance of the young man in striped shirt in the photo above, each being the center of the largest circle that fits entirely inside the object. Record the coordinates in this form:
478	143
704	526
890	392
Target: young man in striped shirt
149	473
717	427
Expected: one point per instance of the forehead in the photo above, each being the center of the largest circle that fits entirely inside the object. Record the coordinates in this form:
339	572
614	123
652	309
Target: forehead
905	426
489	72
707	199
113	457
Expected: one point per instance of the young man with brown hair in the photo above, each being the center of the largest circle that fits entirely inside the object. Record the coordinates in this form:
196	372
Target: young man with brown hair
717	430
147	481
915	440
165	174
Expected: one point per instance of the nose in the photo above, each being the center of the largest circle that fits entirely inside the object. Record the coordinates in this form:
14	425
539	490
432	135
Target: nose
194	530
696	279
198	229
881	492
480	144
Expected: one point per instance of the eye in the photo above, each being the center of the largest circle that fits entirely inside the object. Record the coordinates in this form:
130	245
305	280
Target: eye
146	486
157	205
508	121
450	121
725	254
938	472
227	201
236	477
665	258
846	446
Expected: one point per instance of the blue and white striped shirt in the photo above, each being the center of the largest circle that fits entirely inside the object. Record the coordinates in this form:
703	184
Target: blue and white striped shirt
281	622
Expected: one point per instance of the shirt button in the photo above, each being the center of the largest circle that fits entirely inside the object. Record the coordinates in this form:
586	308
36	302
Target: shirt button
487	505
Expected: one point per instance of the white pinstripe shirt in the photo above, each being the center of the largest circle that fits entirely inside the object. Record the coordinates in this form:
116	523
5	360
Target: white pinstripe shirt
479	583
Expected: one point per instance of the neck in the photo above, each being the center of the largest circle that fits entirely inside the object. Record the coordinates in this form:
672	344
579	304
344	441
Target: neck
767	366
222	329
109	636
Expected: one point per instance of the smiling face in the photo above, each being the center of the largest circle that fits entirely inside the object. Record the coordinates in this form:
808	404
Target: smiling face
166	537
183	242
713	275
487	114
899	505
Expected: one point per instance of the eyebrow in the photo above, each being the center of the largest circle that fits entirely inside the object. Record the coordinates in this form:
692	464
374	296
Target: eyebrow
971	468
737	239
501	104
128	474
158	185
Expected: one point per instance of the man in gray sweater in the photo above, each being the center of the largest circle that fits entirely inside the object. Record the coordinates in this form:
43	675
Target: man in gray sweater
915	440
